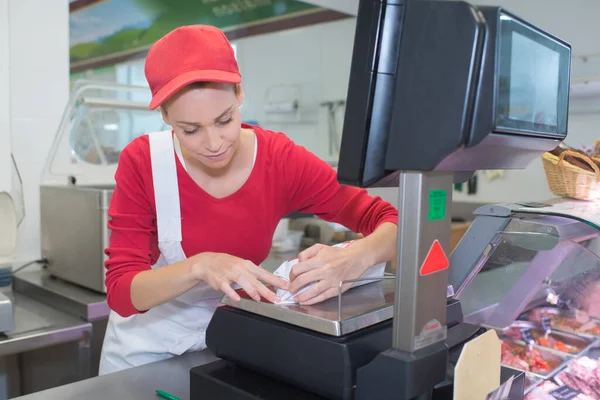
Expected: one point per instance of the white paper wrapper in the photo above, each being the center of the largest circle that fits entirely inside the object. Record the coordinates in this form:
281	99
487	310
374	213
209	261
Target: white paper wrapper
284	270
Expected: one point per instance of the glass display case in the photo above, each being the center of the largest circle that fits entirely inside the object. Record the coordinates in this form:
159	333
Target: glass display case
533	275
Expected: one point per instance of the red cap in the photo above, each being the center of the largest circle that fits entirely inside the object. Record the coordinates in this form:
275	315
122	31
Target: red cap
195	53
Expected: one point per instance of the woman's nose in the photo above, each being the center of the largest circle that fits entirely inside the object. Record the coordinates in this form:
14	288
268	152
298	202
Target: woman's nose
213	141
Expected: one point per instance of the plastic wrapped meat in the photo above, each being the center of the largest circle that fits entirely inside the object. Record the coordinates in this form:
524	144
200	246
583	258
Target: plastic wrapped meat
584	372
545	392
582	375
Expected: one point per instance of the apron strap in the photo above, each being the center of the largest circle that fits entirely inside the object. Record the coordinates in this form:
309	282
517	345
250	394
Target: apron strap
166	189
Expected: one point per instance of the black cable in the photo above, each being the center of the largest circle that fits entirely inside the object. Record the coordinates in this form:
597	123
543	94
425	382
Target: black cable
40	261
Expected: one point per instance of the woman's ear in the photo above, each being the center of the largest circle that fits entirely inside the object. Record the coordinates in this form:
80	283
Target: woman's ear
240	95
165	116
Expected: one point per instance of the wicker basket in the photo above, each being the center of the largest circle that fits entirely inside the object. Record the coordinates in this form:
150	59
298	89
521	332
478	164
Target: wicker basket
568	180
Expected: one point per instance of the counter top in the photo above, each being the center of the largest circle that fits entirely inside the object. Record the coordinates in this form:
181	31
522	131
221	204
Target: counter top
65	296
38	325
171	375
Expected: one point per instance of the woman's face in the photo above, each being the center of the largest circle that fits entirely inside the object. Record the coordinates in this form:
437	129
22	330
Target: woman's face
207	123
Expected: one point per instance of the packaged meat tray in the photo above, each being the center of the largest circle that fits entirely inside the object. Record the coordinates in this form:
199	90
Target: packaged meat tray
572	321
548	390
583	375
555	340
538	362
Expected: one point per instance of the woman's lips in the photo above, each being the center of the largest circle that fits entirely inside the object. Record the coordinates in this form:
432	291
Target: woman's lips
218	157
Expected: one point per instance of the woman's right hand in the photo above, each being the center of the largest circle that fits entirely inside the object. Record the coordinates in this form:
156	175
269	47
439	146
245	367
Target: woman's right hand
221	270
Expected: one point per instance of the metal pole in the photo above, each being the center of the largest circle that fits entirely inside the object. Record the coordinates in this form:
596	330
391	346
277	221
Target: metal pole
424	218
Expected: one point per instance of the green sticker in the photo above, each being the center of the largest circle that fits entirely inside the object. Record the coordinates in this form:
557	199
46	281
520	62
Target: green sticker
437	205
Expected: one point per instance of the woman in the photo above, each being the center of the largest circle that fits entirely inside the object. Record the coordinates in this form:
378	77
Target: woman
194	209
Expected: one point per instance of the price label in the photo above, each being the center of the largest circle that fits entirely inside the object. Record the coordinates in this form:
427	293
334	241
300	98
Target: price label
564	393
527	336
547	323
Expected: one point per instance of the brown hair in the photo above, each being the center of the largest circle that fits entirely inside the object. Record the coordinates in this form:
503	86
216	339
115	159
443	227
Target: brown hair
202	85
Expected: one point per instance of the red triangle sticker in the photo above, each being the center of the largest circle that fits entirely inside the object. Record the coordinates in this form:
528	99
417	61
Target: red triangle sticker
435	261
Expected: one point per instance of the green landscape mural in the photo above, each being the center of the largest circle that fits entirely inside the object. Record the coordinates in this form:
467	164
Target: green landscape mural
117	27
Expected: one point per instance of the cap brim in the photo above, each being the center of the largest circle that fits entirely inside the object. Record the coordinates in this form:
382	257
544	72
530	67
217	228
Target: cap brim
183	80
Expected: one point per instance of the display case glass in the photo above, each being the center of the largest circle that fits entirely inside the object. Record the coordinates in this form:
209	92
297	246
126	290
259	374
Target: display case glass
537	283
535	261
98	122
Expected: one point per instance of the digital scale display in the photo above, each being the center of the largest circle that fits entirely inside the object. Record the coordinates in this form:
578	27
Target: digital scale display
532	82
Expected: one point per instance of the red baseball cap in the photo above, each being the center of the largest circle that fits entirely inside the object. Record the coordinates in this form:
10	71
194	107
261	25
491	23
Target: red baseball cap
194	53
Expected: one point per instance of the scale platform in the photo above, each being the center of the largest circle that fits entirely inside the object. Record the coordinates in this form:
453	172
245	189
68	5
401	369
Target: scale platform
356	309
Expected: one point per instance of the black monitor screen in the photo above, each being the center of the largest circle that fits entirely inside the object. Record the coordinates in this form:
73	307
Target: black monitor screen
533	75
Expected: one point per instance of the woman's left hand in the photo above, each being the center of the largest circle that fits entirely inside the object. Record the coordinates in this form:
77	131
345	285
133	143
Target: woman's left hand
326	267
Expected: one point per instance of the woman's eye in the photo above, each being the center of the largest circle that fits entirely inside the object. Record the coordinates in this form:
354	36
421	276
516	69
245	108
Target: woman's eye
191	131
225	122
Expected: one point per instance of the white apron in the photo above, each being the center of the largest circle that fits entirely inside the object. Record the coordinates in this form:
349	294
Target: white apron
177	326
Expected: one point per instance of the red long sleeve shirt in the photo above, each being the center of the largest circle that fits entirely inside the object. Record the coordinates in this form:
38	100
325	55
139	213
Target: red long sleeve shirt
285	178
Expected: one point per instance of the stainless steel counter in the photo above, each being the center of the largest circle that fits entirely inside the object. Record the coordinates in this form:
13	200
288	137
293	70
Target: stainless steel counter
38	325
80	302
171	375
65	296
42	333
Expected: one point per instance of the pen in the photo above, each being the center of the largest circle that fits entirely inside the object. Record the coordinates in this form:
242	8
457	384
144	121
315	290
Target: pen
166	395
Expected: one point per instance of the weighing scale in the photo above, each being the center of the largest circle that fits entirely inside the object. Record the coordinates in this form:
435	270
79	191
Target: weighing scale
435	94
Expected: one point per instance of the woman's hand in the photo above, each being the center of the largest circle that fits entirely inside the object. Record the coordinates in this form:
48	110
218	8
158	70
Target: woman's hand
326	266
221	270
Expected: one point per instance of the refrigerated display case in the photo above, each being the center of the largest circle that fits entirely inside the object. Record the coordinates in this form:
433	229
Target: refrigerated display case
532	273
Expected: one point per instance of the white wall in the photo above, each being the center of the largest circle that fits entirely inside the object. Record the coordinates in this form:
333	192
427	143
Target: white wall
317	59
5	182
36	81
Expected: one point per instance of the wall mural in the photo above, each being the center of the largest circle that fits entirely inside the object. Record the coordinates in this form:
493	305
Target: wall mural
103	32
